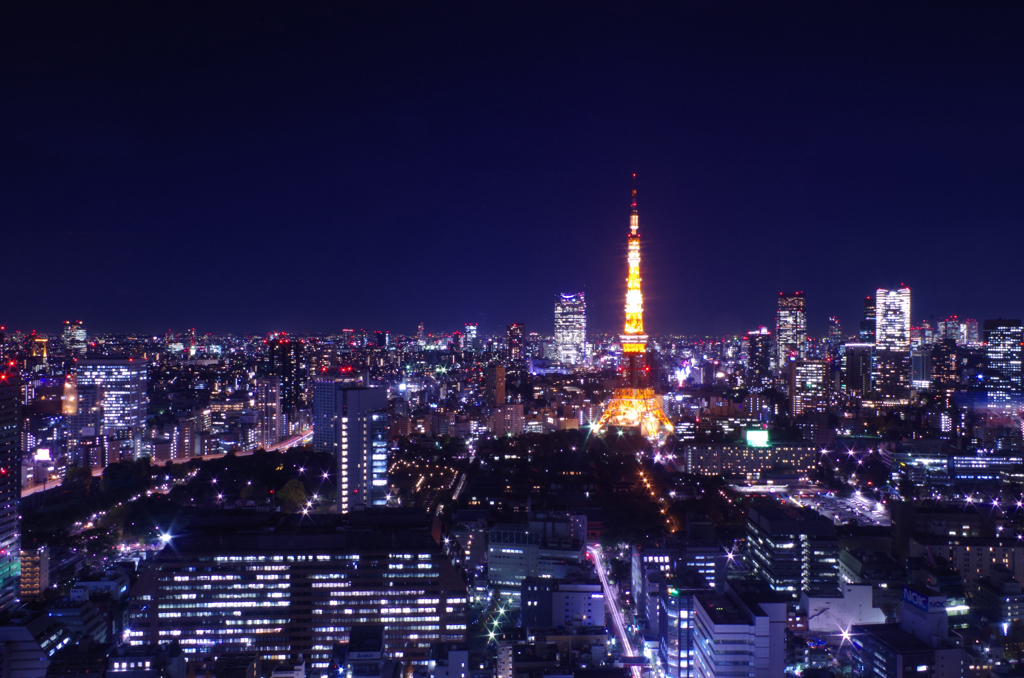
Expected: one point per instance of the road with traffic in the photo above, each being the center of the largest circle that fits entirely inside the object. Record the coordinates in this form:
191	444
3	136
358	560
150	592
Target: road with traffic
291	441
611	599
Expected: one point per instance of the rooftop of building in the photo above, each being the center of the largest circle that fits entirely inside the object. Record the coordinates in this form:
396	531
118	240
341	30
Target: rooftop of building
247	532
929	540
892	637
720	608
790	519
67	604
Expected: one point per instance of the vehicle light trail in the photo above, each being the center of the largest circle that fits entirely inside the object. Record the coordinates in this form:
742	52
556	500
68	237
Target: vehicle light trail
612	603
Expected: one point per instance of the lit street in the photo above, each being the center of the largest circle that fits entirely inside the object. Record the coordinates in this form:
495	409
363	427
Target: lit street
611	599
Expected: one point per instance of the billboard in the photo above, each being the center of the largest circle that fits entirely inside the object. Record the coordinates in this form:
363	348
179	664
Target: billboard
923	602
757	438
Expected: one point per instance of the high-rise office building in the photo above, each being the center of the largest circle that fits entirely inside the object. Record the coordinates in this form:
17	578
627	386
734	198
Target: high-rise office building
835	338
858	367
10	488
1003	348
74	337
922	336
972	337
119	386
515	341
472	341
808	387
892	344
286	359
494	385
759	360
892	318
421	334
950	328
790	329
945	365
276	588
920	368
571	328
793	550
351	422
268	411
866	331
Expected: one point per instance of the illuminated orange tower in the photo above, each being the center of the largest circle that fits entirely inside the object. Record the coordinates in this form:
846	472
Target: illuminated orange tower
634	403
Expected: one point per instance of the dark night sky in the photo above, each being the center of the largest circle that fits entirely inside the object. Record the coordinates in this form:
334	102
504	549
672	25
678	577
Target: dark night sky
309	166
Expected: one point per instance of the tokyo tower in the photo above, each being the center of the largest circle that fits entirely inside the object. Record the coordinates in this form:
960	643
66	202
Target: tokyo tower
634	403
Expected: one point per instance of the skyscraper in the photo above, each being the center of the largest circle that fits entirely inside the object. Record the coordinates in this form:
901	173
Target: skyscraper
759	360
808	387
634	403
268	409
971	335
515	340
866	331
921	368
119	386
571	328
945	365
1003	348
74	338
949	328
286	359
471	336
494	385
835	337
858	368
892	344
790	328
10	488
351	422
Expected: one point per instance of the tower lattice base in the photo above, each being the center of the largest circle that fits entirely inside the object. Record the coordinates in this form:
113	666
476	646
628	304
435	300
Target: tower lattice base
636	407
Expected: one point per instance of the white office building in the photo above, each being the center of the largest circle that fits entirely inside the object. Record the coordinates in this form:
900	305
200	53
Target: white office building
119	384
733	637
571	328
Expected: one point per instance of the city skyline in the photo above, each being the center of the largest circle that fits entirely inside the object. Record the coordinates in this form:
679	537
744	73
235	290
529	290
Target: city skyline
332	349
828	167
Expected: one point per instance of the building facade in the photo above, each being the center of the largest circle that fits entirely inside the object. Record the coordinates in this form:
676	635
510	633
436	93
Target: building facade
1003	340
10	489
119	385
571	328
239	586
790	328
515	342
268	409
793	550
733	637
892	345
759	360
809	382
750	460
351	422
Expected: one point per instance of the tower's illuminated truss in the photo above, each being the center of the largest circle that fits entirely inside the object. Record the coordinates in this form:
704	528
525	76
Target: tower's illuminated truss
634	403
